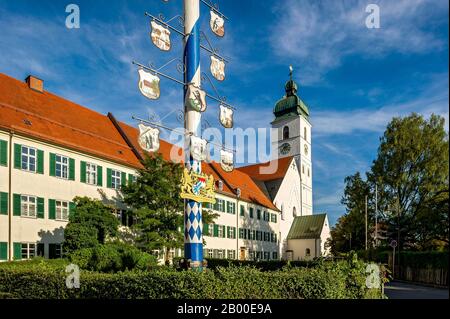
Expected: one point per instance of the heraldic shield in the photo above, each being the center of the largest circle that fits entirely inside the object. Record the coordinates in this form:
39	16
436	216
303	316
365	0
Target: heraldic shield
148	138
226	116
217	68
199	150
149	85
226	161
196	98
160	36
217	24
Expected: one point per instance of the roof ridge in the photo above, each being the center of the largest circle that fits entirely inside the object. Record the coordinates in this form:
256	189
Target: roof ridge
61	124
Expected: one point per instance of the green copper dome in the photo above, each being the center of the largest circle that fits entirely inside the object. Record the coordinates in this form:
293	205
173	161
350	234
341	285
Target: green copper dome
290	104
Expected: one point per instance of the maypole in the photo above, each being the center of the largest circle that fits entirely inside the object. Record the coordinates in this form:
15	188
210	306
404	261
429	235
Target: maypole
193	239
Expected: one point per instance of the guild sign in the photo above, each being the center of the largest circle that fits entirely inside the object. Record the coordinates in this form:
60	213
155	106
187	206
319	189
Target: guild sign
148	138
226	116
149	85
226	161
217	24
198	187
160	36
195	98
199	150
217	68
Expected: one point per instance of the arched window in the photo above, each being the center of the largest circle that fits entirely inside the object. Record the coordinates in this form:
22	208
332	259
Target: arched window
285	133
307	252
294	212
305	133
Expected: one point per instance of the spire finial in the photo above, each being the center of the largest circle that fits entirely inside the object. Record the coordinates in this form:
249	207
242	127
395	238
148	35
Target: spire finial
291	70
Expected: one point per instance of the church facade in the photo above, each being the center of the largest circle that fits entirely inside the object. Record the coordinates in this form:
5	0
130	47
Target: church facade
52	150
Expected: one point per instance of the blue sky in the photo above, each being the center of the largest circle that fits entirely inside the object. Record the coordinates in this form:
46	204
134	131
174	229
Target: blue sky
353	79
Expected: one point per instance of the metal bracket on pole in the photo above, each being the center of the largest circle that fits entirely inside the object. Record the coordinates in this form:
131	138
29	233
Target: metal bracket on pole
161	126
161	18
214	7
156	72
211	49
220	99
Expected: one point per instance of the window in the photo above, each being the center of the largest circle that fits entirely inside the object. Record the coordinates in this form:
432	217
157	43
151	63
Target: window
28	250
258	213
308	171
54	251
62	210
251	212
210	253
266	255
231	254
115	179
210	229
28	206
62	166
274	255
29	159
273	218
219	205
220	231
285	133
253	233
294	212
221	253
305	135
251	255
307	252
303	169
242	211
91	173
272	237
231	207
126	219
241	233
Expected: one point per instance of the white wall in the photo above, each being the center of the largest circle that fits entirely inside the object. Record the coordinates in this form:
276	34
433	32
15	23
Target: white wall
299	246
32	230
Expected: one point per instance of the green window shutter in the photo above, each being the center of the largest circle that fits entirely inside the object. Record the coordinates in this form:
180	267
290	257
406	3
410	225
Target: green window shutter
40	162
216	230
40	207
3	251
83	171
72	207
108	178
242	211
205	230
223	206
123	179
224	234
234	208
228	232
130	178
3	153
99	175
3	203
16	205
51	209
17	248
251	212
71	169
52	164
17	156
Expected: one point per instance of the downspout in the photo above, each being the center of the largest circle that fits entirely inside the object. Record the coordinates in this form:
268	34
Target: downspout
10	198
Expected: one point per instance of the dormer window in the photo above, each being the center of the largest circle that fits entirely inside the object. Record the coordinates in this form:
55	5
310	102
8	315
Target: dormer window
285	133
220	185
238	192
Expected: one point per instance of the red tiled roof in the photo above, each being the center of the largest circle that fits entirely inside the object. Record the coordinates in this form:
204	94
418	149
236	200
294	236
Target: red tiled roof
64	123
61	122
256	171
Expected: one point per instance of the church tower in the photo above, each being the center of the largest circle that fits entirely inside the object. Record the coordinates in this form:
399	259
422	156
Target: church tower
291	136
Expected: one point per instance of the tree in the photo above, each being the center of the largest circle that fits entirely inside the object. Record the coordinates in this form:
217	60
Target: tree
91	223
412	171
157	206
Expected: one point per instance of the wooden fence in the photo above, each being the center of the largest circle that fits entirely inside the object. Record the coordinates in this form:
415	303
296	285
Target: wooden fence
432	276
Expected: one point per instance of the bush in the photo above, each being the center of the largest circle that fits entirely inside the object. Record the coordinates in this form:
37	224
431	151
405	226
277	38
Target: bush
343	279
413	259
262	265
112	257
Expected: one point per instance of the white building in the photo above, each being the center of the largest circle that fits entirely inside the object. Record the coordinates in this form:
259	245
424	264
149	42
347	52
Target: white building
52	150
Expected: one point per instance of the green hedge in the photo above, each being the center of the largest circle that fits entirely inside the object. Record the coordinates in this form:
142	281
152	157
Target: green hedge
270	265
413	259
345	279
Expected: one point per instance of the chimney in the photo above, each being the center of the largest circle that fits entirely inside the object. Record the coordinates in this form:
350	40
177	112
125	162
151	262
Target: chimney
35	83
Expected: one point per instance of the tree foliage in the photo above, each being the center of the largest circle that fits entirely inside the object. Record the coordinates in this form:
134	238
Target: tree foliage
411	172
91	223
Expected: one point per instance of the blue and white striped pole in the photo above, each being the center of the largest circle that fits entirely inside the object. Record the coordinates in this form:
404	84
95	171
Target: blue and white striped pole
193	242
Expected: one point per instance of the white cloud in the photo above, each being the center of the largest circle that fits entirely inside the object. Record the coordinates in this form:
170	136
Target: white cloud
317	36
